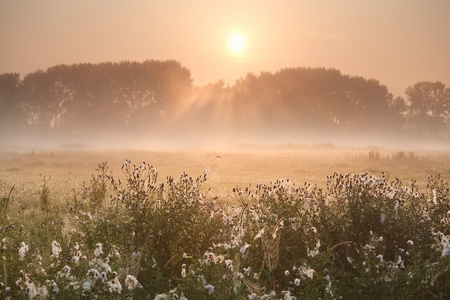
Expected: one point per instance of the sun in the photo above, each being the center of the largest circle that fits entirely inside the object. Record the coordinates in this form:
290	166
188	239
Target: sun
236	43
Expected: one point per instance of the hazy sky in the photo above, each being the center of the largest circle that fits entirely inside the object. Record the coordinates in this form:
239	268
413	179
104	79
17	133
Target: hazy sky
397	42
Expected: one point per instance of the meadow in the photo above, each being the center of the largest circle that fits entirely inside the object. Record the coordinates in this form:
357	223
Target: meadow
287	222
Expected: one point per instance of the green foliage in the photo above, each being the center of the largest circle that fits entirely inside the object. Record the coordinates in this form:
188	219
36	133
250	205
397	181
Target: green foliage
44	197
98	187
362	235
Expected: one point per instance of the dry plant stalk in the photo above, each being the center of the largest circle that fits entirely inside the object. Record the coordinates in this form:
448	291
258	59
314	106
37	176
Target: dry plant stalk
271	247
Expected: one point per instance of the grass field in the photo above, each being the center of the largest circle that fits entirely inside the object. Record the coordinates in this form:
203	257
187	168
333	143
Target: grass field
236	167
373	223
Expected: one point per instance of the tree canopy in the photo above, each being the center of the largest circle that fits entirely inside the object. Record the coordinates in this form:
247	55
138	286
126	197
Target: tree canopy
89	99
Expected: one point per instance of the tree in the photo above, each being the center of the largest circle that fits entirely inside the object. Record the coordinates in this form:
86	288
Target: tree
428	107
11	113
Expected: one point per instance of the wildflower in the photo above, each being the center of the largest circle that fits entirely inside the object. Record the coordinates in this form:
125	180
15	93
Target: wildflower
186	256
114	285
88	285
314	252
65	272
31	289
255	276
380	257
94	273
252	296
380	239
309	273
209	288
116	253
161	297
23	250
98	249
132	283
229	264
135	255
287	273
272	295
42	291
182	297
54	287
382	218
260	233
247	271
287	295
297	281
56	248
409	242
183	270
243	248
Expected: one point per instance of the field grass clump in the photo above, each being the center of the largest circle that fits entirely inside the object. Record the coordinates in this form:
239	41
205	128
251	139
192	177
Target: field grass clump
130	236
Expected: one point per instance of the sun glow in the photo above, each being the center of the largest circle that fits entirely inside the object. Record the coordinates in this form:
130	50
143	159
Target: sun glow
236	42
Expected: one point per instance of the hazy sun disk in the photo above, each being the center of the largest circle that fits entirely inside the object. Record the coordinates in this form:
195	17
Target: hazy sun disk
237	42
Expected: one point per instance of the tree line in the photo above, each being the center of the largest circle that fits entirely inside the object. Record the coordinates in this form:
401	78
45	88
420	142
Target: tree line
89	99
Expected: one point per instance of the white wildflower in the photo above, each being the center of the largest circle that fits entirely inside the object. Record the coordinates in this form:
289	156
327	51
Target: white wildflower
94	273
328	289
445	242
183	270
297	281
116	253
23	250
409	242
182	297
287	295
54	287
287	273
247	271
314	252
88	285
380	239
98	249
252	296
56	249
65	272
76	257
131	282
31	289
42	291
114	285
382	218
243	248
309	272
161	297
272	295
229	264
209	288
380	257
135	255
260	233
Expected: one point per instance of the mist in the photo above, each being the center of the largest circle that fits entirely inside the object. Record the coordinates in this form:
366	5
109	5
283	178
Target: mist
154	105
